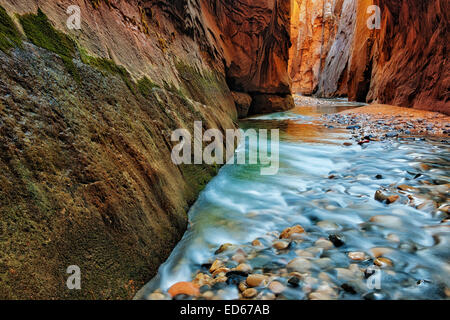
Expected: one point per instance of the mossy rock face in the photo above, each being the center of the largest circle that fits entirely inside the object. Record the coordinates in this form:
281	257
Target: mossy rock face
145	86
41	33
9	35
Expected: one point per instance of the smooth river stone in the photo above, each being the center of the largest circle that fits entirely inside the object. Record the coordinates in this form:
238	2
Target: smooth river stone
387	221
357	256
299	264
255	280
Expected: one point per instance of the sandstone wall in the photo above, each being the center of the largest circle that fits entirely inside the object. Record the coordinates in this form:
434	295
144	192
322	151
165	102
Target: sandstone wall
406	60
254	37
86	176
403	63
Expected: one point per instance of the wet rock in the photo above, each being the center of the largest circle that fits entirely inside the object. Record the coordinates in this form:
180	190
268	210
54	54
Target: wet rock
392	134
281	245
379	251
357	256
383	262
243	102
256	243
250	293
216	265
324	244
209	295
379	177
304	253
374	296
336	240
243	267
407	188
157	296
393	237
348	288
184	288
299	265
220	271
387	221
290	232
327	225
380	196
276	287
354	127
256	280
239	258
392	199
242	286
236	277
294	282
223	248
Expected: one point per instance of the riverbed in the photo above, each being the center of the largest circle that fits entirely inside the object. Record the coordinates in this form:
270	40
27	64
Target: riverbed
353	246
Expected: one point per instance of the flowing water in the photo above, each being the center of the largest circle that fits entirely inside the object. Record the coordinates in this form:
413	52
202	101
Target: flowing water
328	189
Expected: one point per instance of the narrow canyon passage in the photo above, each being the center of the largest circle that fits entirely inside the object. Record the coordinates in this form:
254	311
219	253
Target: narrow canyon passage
93	92
328	189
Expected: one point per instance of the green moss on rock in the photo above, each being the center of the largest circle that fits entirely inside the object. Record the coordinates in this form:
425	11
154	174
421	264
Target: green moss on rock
9	35
41	33
145	86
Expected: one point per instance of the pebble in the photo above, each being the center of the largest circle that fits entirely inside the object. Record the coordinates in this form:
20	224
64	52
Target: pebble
186	288
299	264
304	253
281	245
219	271
256	243
383	262
336	240
256	280
380	196
223	248
242	286
216	265
250	293
244	267
276	287
392	199
208	295
327	225
379	251
288	233
294	282
157	296
357	256
393	237
387	221
324	243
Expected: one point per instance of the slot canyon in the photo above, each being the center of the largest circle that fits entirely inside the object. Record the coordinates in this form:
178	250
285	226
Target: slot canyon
87	114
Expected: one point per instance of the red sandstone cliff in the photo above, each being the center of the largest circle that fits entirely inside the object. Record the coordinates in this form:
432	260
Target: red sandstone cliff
403	63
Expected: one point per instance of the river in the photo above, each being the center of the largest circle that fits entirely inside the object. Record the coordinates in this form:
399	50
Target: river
328	189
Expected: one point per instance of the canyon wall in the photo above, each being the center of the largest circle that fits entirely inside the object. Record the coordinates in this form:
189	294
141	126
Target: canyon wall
86	117
313	29
254	37
403	62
